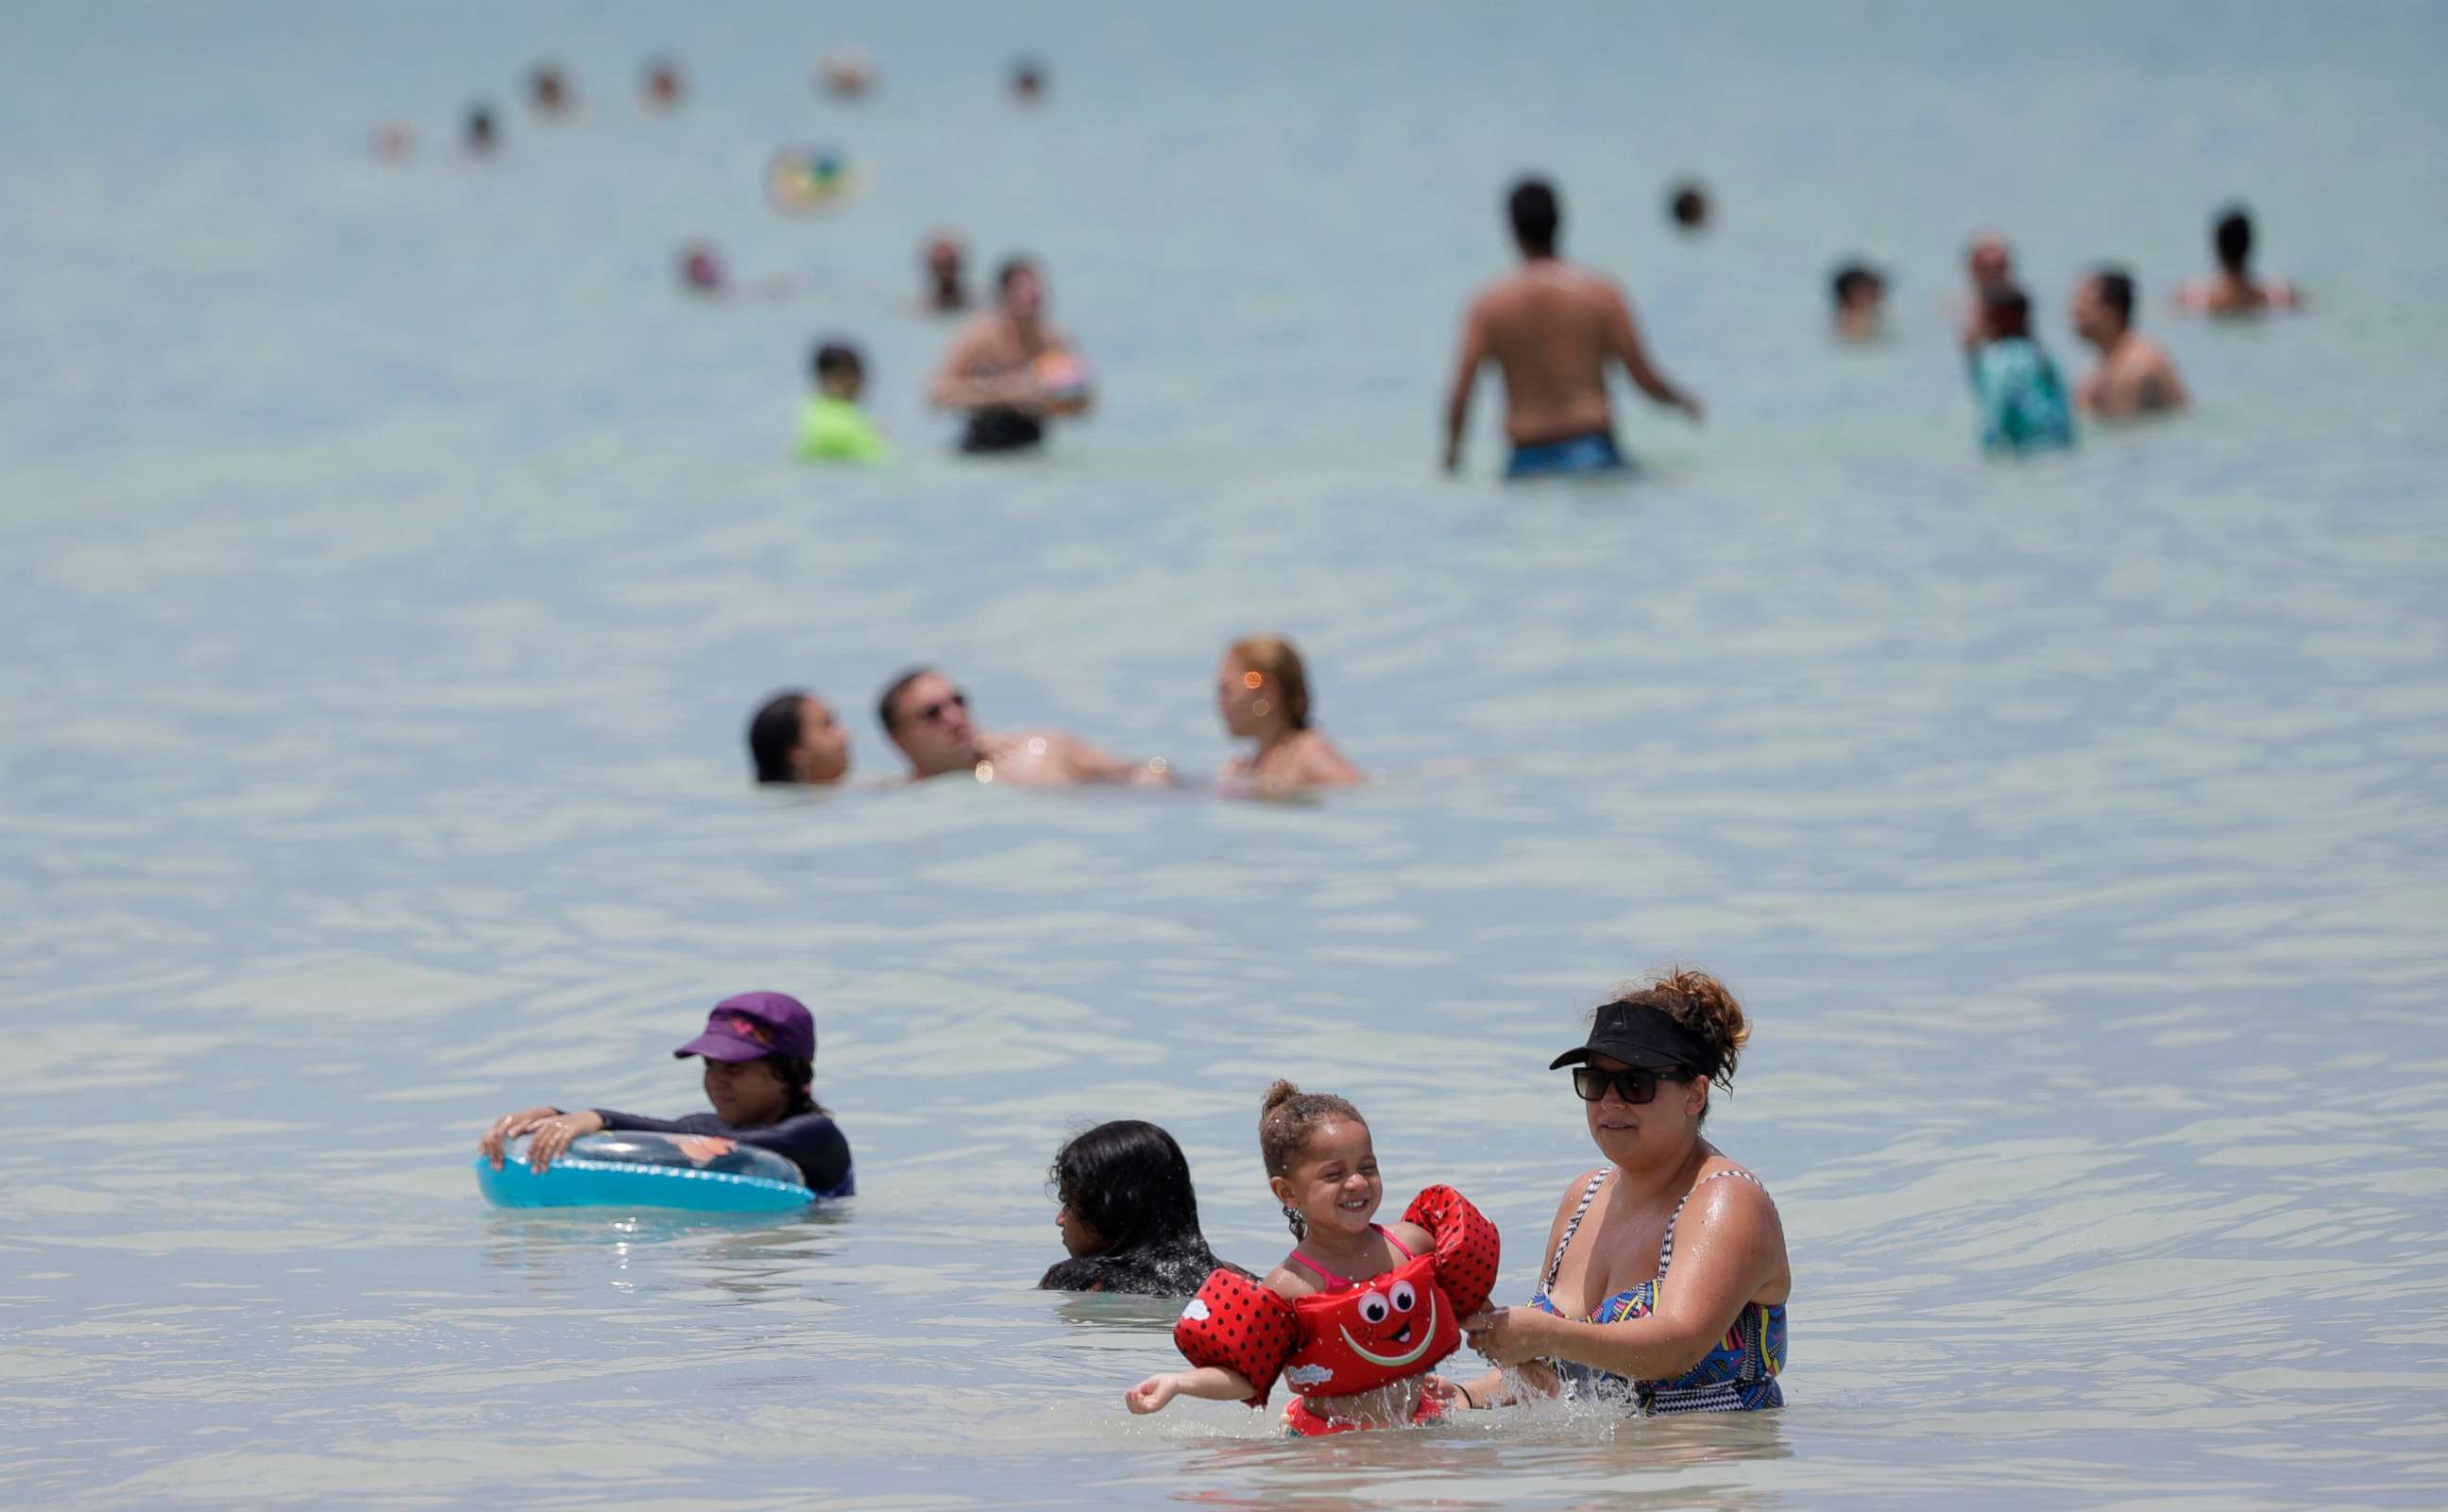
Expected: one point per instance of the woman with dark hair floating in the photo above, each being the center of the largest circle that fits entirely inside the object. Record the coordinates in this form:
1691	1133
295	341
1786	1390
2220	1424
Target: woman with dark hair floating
794	737
1128	1216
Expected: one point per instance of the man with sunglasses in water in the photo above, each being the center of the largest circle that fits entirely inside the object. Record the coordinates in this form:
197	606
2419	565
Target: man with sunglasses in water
928	718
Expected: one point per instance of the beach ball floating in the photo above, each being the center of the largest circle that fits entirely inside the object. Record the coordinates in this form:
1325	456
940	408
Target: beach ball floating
1065	380
802	180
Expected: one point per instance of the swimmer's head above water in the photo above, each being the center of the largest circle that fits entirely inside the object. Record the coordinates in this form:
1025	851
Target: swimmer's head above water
1123	1186
1860	292
1644	1071
928	718
701	269
1988	259
2102	309
947	286
794	737
548	89
838	370
2005	313
1536	215
1261	686
1687	206
760	1058
662	88
1320	1161
2232	238
1020	288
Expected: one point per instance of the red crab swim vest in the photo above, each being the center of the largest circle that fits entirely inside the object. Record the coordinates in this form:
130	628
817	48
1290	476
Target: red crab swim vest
1388	1327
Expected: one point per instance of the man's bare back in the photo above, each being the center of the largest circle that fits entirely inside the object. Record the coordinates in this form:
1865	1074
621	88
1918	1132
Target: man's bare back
1552	328
2135	376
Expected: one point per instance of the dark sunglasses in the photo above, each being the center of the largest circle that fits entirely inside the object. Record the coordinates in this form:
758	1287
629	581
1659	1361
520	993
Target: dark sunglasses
935	711
1633	1084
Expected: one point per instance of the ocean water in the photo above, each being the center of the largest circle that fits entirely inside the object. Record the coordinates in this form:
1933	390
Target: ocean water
390	559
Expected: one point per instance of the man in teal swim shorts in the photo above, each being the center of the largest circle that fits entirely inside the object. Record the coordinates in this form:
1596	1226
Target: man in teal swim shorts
1552	328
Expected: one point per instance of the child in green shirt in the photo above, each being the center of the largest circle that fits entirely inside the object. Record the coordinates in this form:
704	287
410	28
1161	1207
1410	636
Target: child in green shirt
831	427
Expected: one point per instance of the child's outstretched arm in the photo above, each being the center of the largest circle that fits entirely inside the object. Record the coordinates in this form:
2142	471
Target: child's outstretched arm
1213	1381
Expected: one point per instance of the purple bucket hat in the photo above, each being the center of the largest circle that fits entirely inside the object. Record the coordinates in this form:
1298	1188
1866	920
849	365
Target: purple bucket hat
754	1026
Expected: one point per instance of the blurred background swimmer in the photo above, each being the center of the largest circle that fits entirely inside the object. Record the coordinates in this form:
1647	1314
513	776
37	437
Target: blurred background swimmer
845	74
948	289
1989	264
2134	374
477	134
1129	1217
1688	207
1029	79
1262	695
701	269
1861	294
394	142
794	737
1552	328
927	719
760	1054
2234	290
997	369
661	89
704	273
831	427
2022	400
548	91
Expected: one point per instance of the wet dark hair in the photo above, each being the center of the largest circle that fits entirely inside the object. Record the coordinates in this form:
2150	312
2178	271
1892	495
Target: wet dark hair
1688	203
1128	1180
799	1077
1012	267
2231	233
2007	311
773	734
836	358
2115	288
1852	275
892	692
1536	215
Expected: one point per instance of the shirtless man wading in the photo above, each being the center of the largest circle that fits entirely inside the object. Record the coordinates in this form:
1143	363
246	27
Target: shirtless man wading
2134	376
1010	368
1552	328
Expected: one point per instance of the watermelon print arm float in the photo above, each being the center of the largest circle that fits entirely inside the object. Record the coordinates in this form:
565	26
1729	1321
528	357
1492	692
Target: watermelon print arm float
1356	1353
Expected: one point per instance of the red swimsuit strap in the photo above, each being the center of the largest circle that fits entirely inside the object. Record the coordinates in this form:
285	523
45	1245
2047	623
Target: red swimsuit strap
1338	1283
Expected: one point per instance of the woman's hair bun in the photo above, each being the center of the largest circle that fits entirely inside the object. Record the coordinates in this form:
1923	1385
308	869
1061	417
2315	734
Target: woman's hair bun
1699	1003
1710	1011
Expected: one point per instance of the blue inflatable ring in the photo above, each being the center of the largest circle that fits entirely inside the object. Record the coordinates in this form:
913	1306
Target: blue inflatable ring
631	1170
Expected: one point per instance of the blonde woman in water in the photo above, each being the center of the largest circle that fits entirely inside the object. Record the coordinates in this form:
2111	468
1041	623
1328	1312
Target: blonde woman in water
1262	695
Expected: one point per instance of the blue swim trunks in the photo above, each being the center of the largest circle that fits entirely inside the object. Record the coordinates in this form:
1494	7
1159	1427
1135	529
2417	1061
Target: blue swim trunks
1592	452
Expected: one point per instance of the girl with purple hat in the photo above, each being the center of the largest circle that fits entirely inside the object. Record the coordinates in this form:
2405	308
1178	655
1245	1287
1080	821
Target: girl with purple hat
761	1053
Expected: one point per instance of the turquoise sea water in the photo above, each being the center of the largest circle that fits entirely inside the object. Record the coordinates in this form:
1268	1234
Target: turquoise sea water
390	558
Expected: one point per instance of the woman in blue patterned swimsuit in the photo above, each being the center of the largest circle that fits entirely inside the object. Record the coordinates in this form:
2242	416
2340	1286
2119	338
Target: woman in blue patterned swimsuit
1601	1323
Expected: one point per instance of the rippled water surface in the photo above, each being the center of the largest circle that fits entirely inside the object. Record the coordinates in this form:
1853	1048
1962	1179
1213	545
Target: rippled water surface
389	559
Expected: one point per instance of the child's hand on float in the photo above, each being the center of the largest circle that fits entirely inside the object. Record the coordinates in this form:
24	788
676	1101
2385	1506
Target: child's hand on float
552	1136
1152	1394
510	1126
